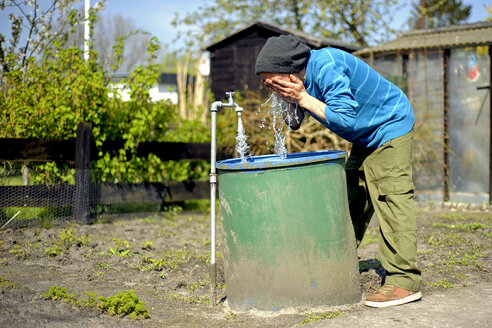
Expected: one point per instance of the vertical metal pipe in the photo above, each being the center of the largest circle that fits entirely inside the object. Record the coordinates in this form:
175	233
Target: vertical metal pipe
86	30
213	191
213	187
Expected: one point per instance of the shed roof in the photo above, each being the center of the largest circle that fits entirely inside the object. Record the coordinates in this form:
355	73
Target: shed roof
440	37
312	41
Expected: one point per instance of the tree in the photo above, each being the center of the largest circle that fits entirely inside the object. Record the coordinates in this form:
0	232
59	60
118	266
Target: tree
351	20
107	31
36	19
35	24
438	13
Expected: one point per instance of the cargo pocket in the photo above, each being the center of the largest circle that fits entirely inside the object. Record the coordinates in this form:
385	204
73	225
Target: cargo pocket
396	210
394	187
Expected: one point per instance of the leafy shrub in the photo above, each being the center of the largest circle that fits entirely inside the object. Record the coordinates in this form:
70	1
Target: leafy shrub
124	304
48	97
121	304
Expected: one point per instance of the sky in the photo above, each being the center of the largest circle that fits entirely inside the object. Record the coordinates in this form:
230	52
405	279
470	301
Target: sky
155	16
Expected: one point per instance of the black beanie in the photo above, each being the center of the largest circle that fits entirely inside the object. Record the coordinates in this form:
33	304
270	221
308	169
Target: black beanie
282	54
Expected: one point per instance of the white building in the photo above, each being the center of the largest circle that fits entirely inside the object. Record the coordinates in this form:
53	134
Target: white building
166	89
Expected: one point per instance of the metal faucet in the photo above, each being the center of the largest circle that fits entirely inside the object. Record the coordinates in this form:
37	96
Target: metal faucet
213	182
230	103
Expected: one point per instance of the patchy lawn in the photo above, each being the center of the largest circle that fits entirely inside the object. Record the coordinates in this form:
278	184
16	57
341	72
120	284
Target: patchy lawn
154	271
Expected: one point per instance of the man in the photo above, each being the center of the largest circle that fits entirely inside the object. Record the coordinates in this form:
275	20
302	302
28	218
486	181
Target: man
351	99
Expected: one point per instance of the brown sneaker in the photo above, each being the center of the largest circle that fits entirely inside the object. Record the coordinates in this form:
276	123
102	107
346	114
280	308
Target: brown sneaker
390	295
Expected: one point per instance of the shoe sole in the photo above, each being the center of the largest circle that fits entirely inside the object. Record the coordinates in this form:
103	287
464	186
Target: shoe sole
404	300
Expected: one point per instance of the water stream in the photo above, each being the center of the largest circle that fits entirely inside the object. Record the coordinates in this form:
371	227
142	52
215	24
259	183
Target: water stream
242	147
280	112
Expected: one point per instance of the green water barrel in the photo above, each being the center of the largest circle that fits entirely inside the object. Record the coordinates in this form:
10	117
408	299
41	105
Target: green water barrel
289	240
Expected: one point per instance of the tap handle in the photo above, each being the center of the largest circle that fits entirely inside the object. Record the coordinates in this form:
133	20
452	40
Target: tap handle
230	94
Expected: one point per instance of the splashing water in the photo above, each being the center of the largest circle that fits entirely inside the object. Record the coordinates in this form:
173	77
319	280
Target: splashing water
242	147
280	112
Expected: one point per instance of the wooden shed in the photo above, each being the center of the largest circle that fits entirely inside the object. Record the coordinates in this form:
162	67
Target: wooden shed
232	59
445	73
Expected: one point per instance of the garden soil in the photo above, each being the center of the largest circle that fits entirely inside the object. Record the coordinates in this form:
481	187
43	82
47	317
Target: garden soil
164	257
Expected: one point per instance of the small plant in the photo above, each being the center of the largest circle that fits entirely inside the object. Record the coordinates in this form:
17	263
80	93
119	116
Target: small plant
202	299
148	245
69	237
231	316
20	252
91	299
53	251
201	283
125	304
122	304
59	293
122	248
443	283
104	265
314	317
66	238
461	276
171	260
4	283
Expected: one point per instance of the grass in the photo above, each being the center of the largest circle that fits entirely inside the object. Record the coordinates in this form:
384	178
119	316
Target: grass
190	299
122	248
465	257
370	237
66	239
314	317
471	227
36	213
24	251
464	216
4	283
132	207
169	261
451	239
443	283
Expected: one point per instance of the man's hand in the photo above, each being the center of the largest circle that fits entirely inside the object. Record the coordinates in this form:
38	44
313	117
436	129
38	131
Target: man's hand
291	90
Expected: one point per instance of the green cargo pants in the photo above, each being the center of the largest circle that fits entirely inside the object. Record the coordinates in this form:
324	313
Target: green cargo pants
380	181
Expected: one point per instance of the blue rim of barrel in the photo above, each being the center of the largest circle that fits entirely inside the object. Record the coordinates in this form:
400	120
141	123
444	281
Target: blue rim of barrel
275	161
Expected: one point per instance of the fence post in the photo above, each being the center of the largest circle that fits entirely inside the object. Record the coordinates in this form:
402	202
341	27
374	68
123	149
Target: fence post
82	172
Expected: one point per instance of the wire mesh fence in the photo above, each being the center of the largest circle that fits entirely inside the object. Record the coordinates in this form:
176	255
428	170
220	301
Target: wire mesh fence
25	201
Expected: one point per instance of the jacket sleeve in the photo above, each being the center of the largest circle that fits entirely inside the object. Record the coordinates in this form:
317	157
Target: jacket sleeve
341	106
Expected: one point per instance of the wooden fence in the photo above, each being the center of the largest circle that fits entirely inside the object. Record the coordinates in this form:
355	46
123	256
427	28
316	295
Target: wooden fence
80	151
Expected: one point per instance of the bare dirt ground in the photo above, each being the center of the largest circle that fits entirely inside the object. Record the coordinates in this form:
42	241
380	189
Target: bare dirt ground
164	259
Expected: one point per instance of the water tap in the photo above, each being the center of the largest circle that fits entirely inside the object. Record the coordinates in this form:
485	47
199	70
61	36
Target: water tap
231	104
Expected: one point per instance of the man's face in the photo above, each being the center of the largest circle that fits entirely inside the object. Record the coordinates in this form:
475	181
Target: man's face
282	76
